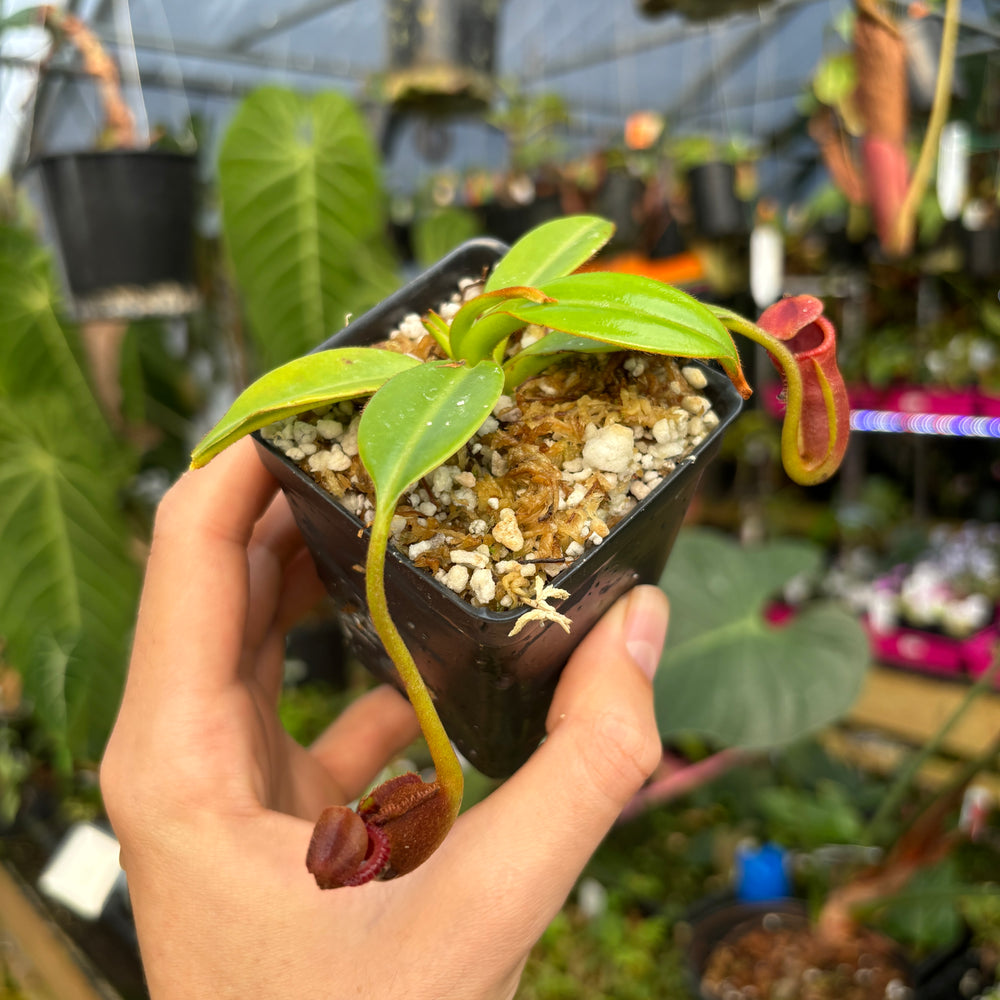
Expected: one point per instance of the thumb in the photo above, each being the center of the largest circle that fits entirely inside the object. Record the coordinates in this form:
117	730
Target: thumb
601	721
527	843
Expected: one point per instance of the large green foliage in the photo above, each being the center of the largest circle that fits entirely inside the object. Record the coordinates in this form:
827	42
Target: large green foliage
36	351
68	583
303	217
728	674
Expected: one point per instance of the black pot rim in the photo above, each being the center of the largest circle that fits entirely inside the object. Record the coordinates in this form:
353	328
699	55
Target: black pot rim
85	153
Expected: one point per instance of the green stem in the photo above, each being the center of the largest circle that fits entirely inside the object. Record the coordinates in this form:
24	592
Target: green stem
904	779
440	331
446	764
905	220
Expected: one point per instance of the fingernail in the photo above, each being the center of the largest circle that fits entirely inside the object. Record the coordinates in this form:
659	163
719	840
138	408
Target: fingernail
645	627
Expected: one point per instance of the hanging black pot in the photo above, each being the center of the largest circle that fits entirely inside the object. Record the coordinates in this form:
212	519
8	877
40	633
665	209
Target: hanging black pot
492	690
123	221
441	54
698	10
718	212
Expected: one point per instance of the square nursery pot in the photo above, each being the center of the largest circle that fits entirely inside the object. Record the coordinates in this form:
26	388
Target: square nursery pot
124	224
492	690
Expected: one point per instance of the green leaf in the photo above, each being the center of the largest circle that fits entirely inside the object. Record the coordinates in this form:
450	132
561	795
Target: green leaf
420	418
38	352
302	211
303	384
542	353
551	250
926	916
835	79
29	17
68	583
486	321
807	819
728	674
632	312
67	571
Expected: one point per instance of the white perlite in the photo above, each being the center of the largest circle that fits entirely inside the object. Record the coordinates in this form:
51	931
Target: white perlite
506	531
469	530
610	449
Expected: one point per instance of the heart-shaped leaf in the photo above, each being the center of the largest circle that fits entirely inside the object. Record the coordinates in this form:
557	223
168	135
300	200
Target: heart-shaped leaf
728	674
551	250
303	384
302	217
420	418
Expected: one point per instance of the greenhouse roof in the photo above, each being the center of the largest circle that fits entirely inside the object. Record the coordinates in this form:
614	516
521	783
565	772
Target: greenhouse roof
740	75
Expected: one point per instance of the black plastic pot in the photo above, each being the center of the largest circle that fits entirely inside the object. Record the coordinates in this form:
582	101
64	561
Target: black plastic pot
620	200
508	221
492	691
124	223
441	53
727	920
718	213
711	921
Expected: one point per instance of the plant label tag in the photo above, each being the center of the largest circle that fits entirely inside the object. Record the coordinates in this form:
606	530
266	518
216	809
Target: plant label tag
767	265
83	871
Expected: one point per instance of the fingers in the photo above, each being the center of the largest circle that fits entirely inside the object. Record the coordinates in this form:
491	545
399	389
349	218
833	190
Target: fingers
190	627
301	591
284	587
366	737
529	840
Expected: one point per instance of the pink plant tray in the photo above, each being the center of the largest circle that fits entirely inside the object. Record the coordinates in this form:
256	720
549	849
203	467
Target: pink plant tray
933	653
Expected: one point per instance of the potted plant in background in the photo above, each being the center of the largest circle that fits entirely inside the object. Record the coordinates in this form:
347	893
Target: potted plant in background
424	411
531	190
441	54
867	901
720	180
122	215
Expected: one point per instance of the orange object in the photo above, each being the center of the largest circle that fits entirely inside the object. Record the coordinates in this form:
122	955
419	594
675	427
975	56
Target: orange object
682	268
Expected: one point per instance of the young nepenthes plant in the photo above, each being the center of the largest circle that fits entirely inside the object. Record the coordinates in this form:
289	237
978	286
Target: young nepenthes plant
420	413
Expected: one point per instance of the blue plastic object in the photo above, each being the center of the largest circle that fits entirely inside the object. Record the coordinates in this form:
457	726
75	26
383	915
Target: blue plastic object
761	873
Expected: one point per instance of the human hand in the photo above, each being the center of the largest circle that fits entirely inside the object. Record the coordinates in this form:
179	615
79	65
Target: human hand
214	804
